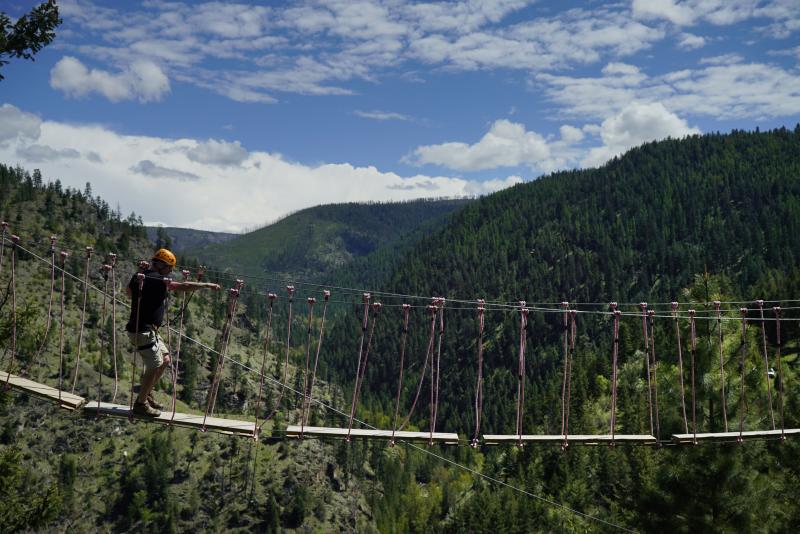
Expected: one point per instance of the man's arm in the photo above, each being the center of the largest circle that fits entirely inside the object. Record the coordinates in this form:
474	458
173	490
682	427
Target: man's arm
191	286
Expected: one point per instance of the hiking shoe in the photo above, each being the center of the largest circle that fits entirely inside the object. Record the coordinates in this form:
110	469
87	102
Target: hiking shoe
142	408
152	402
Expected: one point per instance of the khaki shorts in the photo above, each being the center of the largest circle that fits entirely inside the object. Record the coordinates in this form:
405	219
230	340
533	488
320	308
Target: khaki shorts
150	347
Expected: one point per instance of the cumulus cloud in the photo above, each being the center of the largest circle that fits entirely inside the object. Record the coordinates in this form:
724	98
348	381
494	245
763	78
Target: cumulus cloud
41	153
506	144
688	41
636	124
677	13
15	123
155	178
143	80
215	152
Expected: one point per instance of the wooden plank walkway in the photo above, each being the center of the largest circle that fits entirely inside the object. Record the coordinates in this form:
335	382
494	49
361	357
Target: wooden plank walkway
213	424
68	401
734	436
293	431
587	439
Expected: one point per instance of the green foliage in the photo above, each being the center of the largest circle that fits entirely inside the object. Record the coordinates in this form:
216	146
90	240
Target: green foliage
29	34
23	504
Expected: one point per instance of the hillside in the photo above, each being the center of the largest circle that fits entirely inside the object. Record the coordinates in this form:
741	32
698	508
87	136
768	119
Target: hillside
182	239
694	220
316	242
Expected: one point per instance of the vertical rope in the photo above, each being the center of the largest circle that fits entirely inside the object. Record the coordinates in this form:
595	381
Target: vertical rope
651	314
614	357
64	255
403	339
693	348
565	444
83	316
311	301
4	226
645	335
365	298
438	363
307	408
376	307
721	364
760	304
777	311
49	320
14	243
573	331
112	260
140	286
177	352
479	381
104	271
226	333
431	309
523	326
680	367
276	409
742	404
271	297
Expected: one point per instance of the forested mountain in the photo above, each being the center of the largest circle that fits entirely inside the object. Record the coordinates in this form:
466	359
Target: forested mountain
711	217
706	218
317	243
183	239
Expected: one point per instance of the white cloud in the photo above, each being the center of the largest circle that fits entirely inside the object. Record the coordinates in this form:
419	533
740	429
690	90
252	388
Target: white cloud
215	152
143	80
379	115
506	144
677	13
732	90
15	123
688	41
149	175
634	125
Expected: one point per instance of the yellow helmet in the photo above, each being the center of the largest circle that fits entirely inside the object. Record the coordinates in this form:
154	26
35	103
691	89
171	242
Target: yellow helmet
166	256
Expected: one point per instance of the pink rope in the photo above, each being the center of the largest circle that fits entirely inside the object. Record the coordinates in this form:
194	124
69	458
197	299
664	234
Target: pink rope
435	404
406	311
651	315
101	366
112	260
307	408
365	298
614	357
83	316
645	335
693	347
226	333
311	301
742	403
428	353
721	365
777	311
523	325
680	367
15	242
565	444
49	320
376	307
64	255
140	283
760	304
271	297
177	353
479	381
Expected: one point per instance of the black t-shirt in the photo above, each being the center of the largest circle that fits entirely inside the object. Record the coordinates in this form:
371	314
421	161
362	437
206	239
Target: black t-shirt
154	296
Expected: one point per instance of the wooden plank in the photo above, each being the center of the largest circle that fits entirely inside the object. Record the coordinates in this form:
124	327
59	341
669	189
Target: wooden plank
588	439
214	424
293	431
734	436
67	401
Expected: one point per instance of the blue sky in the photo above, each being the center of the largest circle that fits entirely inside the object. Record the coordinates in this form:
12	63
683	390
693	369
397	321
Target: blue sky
224	116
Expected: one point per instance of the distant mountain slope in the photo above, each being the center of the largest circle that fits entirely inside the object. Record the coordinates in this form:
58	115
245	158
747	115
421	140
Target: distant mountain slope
183	239
315	242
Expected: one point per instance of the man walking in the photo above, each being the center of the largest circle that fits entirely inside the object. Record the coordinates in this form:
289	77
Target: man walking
147	315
